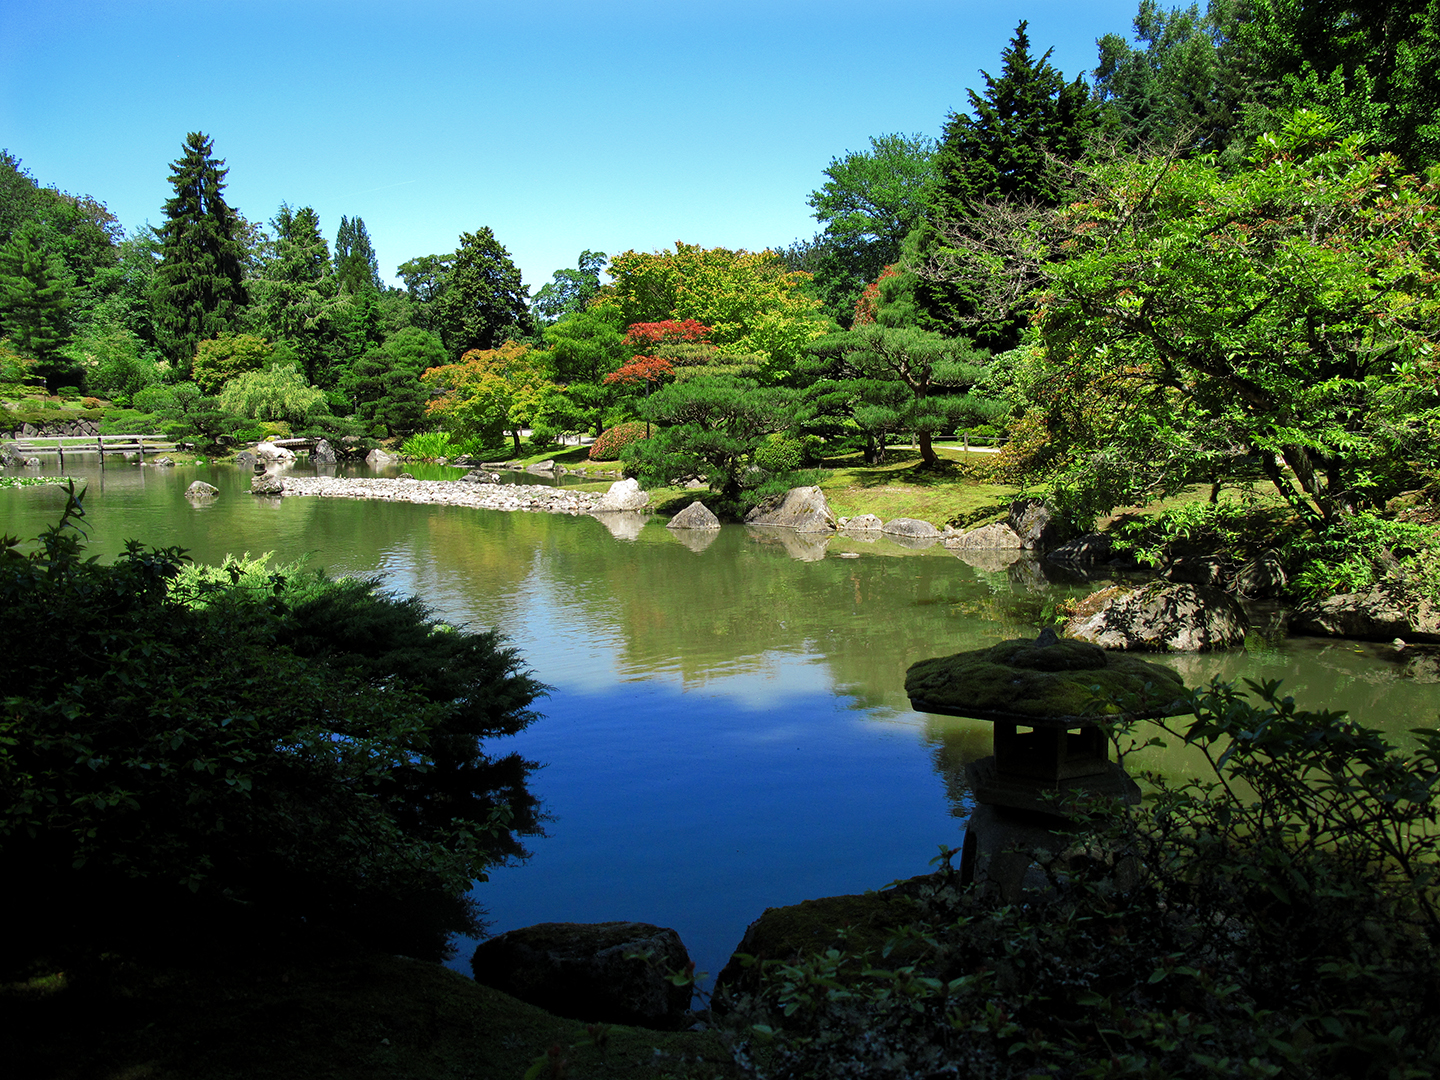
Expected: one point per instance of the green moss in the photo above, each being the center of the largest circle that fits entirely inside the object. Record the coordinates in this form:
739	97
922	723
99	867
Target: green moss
1022	679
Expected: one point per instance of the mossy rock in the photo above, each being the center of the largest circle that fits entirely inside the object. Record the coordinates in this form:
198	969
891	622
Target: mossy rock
858	922
1055	679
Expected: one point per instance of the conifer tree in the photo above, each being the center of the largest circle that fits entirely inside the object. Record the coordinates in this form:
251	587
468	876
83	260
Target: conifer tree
1026	117
199	289
296	293
34	298
356	266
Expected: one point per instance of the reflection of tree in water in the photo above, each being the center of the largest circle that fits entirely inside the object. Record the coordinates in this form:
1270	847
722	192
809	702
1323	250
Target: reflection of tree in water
953	742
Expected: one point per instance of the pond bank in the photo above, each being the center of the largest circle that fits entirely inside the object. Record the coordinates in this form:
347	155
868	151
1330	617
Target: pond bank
536	497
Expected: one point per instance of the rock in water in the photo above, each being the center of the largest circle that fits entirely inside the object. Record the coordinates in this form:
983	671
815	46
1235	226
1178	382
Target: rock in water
695	516
997	536
862	523
479	476
324	453
271	454
1162	616
1387	611
378	459
267	484
802	509
201	490
911	527
580	971
623	495
245	460
1038	525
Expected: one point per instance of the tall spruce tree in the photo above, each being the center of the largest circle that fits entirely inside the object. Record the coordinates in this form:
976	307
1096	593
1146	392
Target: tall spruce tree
199	289
1026	119
356	266
296	293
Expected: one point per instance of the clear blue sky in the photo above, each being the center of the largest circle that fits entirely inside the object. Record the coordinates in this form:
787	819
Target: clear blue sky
561	125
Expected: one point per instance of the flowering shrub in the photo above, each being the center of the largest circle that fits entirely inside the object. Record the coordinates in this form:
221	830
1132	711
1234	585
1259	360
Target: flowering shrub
613	440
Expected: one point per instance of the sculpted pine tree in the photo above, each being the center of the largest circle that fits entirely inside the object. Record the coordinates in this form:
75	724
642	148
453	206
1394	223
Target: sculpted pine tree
199	288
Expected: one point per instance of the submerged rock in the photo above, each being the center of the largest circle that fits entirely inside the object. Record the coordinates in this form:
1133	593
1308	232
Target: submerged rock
1160	617
913	528
584	971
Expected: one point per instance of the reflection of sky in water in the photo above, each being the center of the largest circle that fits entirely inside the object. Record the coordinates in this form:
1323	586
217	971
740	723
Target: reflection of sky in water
698	809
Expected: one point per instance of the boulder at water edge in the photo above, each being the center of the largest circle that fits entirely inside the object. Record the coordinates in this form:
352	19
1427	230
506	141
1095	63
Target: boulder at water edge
270	454
623	495
997	536
803	509
1037	524
267	484
378	459
913	528
1092	549
862	523
695	516
581	971
1388	611
201	490
324	453
1160	617
245	460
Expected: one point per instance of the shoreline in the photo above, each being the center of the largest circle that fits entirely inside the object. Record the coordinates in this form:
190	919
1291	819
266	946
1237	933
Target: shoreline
523	497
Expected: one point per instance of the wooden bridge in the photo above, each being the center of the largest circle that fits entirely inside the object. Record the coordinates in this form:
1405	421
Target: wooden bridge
94	444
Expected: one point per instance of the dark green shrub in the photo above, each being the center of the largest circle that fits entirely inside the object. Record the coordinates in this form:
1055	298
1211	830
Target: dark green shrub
614	440
1276	920
310	748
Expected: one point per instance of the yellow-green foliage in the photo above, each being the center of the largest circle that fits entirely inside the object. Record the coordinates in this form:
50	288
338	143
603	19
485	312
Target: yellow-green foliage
279	393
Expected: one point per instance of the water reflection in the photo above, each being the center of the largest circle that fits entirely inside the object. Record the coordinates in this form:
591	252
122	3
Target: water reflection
729	729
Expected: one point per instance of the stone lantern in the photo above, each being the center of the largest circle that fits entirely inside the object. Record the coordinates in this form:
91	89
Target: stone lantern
1048	699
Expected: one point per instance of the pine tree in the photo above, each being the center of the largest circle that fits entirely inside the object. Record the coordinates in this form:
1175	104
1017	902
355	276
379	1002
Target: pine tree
356	267
1025	119
296	293
198	289
35	302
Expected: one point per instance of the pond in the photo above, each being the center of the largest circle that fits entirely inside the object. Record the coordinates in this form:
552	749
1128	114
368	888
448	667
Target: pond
727	728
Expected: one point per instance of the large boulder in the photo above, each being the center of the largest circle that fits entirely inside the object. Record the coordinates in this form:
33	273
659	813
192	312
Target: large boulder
378	459
1162	616
267	484
623	495
245	460
1390	610
1038	525
587	971
267	453
802	509
913	528
1207	570
10	456
1262	576
201	490
695	516
997	536
1092	549
324	453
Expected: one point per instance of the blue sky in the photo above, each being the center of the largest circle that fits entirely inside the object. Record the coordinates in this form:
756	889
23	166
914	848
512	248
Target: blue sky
562	126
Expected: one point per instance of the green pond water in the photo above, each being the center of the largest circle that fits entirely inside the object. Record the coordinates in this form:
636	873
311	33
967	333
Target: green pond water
727	729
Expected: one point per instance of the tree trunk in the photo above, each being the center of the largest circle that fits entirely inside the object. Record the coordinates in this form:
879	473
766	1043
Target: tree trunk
927	452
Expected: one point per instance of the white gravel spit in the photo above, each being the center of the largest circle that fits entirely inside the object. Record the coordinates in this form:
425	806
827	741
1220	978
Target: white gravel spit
532	497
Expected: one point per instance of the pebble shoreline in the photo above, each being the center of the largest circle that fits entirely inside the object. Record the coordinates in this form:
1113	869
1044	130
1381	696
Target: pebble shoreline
532	497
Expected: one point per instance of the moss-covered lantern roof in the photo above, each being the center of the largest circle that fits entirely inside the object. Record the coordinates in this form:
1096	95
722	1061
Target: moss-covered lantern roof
1048	682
